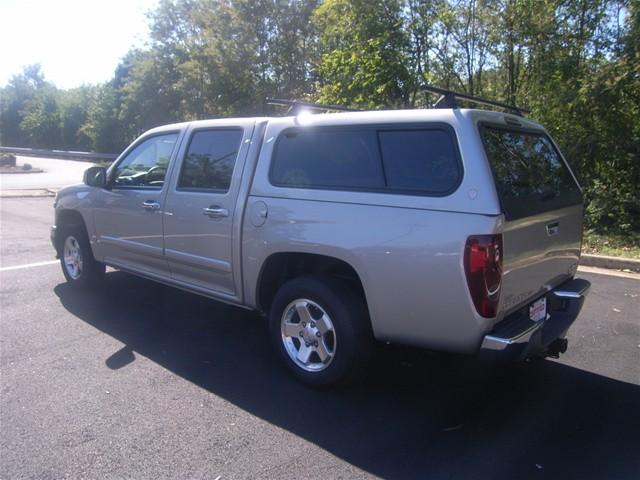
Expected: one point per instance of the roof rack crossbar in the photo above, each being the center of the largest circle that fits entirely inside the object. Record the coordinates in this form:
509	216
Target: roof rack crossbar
449	98
296	105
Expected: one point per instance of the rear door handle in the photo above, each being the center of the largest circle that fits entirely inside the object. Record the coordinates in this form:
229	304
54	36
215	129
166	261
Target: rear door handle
150	205
215	212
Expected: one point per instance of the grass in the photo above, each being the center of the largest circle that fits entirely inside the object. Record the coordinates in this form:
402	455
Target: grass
613	245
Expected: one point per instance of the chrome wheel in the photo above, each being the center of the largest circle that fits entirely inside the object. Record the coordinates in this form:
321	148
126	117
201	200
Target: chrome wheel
72	257
308	335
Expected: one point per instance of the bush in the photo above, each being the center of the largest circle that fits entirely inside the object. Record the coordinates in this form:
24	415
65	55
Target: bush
612	207
7	160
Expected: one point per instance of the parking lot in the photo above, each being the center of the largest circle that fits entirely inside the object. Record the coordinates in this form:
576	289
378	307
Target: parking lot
138	380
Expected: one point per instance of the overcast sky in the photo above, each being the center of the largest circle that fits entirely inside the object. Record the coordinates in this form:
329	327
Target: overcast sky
75	41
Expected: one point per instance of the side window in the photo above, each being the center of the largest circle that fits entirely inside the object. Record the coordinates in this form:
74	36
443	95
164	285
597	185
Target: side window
419	160
338	158
423	160
146	165
210	158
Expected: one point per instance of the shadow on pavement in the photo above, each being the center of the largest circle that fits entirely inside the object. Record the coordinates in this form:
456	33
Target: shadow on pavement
415	416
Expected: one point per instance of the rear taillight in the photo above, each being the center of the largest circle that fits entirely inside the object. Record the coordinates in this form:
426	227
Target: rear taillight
483	268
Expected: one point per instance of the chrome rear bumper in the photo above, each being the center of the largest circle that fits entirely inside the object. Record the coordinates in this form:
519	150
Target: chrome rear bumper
517	337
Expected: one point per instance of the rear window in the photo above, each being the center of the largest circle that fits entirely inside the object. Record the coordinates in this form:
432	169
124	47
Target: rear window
530	175
420	160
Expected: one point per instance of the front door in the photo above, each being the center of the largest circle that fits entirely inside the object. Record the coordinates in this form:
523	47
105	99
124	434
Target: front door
128	216
200	208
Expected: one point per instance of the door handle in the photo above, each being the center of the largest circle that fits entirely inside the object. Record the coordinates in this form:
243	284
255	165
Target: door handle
215	212
150	205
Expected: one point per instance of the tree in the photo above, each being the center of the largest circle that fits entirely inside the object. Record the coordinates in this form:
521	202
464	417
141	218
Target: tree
73	108
362	60
467	40
14	101
102	126
41	118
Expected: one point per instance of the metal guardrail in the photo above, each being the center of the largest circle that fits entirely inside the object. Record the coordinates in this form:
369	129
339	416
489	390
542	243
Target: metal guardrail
70	155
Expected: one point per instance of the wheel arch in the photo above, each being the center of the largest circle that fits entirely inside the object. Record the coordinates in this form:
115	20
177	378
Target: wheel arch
66	218
282	266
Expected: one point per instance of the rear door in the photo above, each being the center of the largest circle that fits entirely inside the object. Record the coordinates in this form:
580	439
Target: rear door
543	208
201	208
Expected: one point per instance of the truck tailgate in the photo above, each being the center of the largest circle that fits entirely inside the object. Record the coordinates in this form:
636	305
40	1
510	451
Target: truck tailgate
542	205
540	252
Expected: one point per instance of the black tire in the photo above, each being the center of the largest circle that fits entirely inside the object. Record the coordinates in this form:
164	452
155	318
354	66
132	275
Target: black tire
91	272
350	337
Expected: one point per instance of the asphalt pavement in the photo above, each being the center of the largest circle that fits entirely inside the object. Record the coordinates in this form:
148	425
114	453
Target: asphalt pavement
138	380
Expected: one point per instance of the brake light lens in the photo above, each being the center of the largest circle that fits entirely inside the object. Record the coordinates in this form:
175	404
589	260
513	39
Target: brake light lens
483	268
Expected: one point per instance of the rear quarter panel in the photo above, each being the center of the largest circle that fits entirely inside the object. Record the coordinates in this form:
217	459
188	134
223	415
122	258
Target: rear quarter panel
409	262
407	250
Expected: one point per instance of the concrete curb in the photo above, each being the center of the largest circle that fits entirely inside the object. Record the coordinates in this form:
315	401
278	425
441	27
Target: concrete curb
27	193
603	261
21	172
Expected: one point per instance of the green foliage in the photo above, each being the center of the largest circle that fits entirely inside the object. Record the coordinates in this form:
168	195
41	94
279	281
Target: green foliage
41	117
574	63
616	245
364	47
73	110
25	97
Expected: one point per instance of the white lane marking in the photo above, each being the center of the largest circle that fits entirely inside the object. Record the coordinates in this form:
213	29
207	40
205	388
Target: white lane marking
609	272
29	265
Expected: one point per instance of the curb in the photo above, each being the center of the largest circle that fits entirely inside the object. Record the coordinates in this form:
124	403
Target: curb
603	261
21	172
27	193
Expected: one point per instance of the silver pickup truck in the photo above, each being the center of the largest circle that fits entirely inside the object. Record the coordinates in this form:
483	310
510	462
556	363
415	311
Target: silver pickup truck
456	230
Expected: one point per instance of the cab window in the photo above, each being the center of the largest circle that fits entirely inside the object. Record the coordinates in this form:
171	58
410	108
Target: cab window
146	165
210	159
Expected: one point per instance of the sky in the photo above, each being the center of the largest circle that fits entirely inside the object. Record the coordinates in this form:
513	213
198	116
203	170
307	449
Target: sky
76	41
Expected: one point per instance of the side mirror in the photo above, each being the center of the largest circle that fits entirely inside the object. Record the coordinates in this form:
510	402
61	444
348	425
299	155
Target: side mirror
95	177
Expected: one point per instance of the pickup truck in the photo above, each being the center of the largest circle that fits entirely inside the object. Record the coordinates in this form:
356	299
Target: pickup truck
455	230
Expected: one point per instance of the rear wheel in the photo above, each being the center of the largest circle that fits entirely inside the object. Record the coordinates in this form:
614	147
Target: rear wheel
78	265
321	329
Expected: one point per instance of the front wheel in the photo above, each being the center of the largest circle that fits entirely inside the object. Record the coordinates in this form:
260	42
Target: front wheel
76	258
321	329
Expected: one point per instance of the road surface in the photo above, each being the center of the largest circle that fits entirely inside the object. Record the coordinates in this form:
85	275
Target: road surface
142	381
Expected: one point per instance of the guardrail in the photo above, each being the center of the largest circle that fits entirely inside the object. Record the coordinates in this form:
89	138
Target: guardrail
70	155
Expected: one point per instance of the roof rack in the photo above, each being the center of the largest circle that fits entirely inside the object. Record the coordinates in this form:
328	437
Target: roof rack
295	106
449	98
